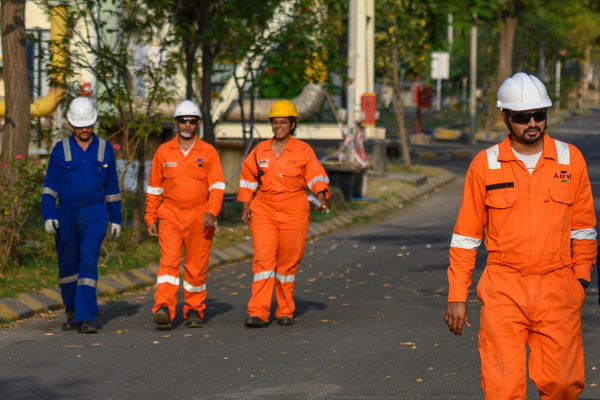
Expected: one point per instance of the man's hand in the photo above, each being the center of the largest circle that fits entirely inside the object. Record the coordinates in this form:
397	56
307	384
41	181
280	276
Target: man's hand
246	213
456	315
323	201
152	230
51	225
115	231
209	220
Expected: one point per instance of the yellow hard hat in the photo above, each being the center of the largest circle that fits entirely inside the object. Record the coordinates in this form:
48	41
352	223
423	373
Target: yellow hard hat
284	109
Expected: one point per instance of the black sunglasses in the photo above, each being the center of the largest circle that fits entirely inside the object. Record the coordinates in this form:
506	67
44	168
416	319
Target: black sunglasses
525	117
184	120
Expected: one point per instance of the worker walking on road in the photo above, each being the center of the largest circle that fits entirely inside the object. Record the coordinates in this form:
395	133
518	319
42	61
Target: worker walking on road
82	176
280	169
532	196
184	194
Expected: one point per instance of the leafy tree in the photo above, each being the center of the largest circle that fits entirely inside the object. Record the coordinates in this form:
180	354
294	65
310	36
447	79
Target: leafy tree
404	32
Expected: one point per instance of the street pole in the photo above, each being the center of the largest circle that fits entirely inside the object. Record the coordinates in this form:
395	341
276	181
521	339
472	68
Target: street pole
464	93
557	83
473	102
351	87
438	97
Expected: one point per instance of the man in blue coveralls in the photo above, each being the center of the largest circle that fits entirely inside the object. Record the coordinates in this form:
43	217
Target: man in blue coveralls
82	176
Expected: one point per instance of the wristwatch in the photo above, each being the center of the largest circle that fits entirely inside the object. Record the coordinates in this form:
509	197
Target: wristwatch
584	283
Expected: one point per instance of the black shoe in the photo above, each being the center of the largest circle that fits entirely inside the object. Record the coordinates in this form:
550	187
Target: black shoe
162	318
285	321
255	322
193	320
86	327
70	324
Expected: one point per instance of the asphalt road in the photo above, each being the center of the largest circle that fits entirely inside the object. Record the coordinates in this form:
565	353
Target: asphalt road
369	324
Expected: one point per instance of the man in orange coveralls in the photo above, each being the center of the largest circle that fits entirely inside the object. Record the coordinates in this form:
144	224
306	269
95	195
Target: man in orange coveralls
532	195
281	169
185	193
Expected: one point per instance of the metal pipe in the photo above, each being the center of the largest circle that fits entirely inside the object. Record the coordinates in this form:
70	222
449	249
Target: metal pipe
351	86
307	103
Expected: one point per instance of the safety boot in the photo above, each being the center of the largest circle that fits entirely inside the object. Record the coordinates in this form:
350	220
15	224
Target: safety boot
70	324
162	318
285	321
255	322
193	320
86	327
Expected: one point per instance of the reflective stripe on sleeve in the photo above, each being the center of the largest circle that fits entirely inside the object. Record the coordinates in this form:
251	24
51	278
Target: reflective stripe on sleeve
492	156
154	190
285	278
217	185
248	185
112	197
464	242
316	179
47	190
173	280
584	234
67	279
264	275
87	282
191	288
562	150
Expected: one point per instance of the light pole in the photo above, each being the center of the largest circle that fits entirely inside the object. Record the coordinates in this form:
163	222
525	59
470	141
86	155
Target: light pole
473	102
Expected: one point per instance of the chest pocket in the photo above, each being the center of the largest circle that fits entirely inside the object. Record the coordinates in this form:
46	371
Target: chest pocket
559	205
69	170
171	172
293	178
100	170
198	173
502	219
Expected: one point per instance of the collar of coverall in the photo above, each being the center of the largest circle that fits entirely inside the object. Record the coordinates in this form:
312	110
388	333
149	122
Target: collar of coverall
175	143
288	147
506	154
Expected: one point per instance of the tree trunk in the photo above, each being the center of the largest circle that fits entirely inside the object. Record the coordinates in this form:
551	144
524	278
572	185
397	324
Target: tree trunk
16	81
507	41
138	211
190	59
584	83
208	134
399	109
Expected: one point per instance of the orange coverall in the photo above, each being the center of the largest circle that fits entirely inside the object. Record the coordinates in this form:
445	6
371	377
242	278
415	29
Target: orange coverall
280	214
529	289
181	189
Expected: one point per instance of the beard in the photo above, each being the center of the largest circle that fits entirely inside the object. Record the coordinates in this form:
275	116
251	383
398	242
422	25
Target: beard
528	139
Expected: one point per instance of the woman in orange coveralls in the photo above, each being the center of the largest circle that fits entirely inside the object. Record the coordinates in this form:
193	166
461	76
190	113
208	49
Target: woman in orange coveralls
281	169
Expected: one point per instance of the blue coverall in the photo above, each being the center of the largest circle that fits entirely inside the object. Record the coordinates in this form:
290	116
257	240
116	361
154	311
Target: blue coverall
86	186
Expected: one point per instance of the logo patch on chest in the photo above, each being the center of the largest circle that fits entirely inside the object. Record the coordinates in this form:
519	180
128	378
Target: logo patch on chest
170	164
264	163
564	176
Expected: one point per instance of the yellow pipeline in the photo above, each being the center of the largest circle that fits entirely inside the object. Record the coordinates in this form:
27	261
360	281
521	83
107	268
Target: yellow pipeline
58	29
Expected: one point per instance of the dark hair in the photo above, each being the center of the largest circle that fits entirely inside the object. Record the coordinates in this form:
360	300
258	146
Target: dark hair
293	122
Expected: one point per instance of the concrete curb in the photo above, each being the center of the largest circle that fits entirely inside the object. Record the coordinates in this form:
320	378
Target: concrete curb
27	304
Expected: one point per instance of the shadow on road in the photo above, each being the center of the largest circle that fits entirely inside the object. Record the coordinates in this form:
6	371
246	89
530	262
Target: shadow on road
29	388
118	309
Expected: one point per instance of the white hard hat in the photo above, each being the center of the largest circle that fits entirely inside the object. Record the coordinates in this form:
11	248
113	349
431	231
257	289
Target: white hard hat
187	107
523	92
82	112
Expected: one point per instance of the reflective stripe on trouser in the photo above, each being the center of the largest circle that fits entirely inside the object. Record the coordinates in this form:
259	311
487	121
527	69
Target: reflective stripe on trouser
180	229
78	242
278	237
542	311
